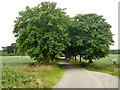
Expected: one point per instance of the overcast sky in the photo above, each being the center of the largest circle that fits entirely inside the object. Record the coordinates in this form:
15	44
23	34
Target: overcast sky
9	11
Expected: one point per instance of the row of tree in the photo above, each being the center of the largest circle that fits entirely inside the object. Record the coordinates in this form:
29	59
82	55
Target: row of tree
90	37
45	32
11	50
117	51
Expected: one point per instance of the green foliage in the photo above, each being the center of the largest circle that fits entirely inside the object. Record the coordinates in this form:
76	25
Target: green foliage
30	77
13	77
90	36
11	50
45	32
115	51
20	75
0	52
42	31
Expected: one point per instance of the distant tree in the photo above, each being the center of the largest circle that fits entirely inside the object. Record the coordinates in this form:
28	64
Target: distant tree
0	52
93	36
10	50
41	31
117	51
3	47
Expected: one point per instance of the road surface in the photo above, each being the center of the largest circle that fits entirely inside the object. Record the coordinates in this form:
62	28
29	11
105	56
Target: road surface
76	77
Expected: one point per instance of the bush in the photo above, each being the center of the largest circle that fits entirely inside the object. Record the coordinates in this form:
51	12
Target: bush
24	76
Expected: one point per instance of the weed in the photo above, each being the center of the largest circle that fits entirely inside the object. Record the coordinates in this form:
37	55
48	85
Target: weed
105	65
22	75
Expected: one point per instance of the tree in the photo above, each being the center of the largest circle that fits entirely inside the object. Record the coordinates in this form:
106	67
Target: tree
41	31
76	36
94	36
117	51
10	50
0	52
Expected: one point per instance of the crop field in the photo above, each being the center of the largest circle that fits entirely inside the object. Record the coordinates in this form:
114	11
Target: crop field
17	73
17	60
108	58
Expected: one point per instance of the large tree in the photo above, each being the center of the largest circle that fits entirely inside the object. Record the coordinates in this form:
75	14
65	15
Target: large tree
93	36
41	31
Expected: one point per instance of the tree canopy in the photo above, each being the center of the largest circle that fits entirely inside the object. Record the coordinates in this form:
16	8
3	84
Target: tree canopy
90	36
44	32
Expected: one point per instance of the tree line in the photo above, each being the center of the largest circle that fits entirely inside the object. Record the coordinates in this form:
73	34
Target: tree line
117	51
45	32
11	50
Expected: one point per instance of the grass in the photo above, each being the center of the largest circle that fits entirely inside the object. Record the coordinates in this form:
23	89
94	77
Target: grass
17	73
105	65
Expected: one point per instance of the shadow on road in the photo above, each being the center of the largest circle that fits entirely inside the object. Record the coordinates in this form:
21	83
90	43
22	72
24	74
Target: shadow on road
66	64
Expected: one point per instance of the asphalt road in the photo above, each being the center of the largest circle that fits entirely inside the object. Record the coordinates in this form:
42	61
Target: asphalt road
76	77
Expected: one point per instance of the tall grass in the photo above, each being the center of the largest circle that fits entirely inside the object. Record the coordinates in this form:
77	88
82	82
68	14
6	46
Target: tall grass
22	75
109	68
105	65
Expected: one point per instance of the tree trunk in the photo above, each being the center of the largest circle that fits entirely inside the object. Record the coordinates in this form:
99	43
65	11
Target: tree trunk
75	58
80	58
69	57
90	61
46	61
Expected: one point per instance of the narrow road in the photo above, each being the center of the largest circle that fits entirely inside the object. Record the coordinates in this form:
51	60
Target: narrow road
76	77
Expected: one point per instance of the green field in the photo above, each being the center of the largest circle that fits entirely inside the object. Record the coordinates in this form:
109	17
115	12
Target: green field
109	58
17	73
17	60
105	65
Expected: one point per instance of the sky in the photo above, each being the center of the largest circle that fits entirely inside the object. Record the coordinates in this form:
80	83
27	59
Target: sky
9	10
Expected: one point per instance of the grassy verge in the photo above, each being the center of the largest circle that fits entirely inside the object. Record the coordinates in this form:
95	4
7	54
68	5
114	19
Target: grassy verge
25	76
106	67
